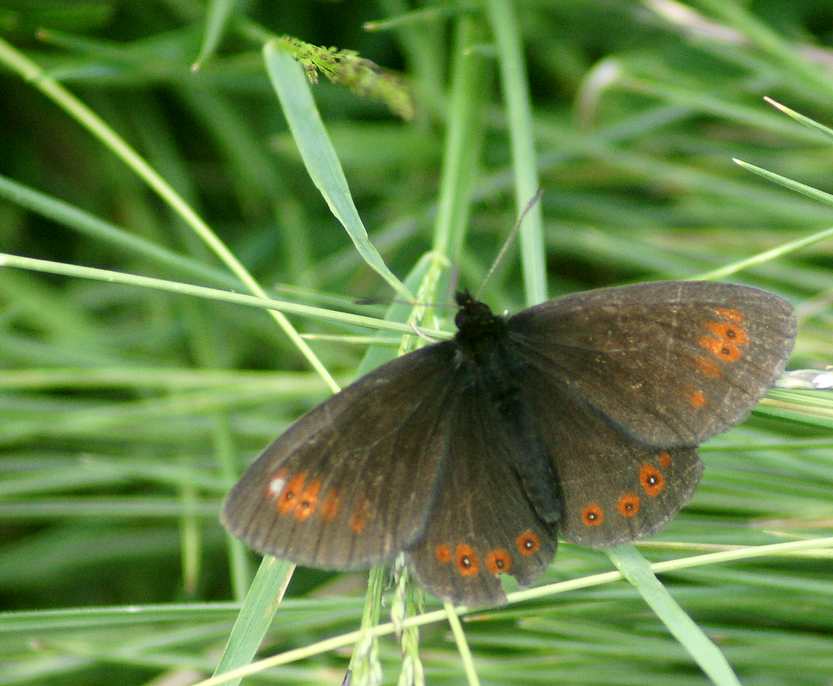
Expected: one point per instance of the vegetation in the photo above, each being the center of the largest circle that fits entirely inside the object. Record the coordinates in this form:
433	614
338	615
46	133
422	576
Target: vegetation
177	140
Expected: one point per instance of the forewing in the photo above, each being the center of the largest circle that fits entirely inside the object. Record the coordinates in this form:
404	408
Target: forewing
671	363
482	523
352	481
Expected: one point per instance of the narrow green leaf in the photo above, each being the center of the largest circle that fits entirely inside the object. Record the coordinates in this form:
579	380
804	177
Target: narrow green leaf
796	186
516	96
256	615
77	271
637	570
800	118
216	22
87	224
463	140
319	155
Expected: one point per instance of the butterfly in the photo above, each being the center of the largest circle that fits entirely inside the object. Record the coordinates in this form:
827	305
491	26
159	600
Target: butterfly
578	418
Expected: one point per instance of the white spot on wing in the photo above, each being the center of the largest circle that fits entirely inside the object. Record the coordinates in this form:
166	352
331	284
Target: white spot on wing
276	486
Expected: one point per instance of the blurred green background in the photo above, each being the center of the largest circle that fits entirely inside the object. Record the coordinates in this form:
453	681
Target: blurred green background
126	411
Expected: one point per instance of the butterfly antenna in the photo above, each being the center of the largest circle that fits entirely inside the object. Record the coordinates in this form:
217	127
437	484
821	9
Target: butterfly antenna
454	279
509	240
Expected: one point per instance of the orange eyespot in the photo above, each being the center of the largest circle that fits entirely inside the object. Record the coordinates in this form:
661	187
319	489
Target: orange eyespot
664	459
499	561
466	560
442	553
288	498
358	520
719	348
528	543
628	505
728	332
307	501
707	367
330	506
652	480
725	341
697	399
592	515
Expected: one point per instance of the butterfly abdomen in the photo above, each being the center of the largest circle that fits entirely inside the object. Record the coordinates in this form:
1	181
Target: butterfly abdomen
499	377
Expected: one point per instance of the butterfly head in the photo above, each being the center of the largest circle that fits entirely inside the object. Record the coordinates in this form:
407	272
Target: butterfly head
475	320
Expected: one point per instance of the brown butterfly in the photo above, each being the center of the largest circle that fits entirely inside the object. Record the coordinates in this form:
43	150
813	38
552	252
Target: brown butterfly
580	417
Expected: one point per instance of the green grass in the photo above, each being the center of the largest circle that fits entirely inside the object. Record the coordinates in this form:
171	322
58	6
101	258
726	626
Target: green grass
136	193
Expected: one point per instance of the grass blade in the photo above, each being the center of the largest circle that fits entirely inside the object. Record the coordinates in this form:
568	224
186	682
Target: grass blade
319	155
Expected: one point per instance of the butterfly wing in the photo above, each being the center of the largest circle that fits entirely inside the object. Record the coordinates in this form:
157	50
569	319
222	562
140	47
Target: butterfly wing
351	482
625	382
612	487
671	363
482	523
